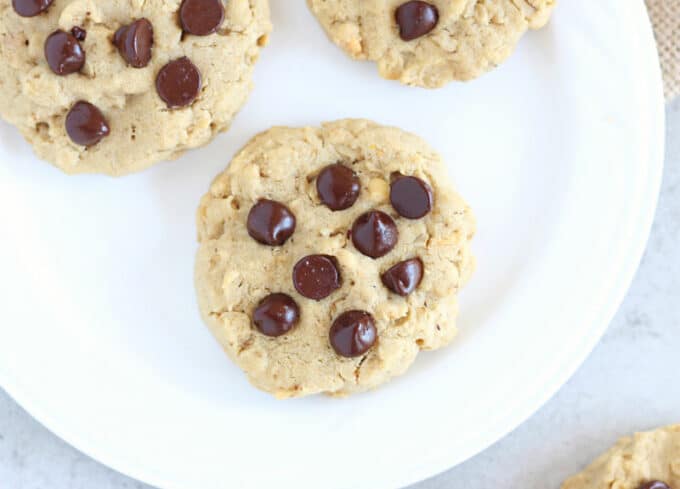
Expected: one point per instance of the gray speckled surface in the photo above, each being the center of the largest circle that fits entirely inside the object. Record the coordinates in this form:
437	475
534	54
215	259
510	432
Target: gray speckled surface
628	383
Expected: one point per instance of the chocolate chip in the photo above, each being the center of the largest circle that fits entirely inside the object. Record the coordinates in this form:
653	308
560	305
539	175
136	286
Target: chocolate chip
276	314
63	53
404	277
338	187
85	124
654	485
270	222
316	276
178	83
201	17
415	19
79	33
134	42
30	8
374	234
353	333
411	197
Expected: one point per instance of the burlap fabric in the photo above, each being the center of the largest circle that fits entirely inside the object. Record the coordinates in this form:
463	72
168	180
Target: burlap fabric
665	16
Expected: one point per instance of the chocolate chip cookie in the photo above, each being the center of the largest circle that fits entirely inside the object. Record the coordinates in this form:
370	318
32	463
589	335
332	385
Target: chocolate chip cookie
430	43
648	460
115	86
329	257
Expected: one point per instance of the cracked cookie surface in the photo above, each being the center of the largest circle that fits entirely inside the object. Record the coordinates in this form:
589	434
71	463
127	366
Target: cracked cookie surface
431	43
285	274
144	117
649	460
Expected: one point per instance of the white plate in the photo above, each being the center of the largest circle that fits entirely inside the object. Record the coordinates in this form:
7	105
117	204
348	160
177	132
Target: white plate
559	152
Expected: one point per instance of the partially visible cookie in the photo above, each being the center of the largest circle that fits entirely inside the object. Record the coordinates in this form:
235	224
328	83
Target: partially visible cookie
648	460
329	257
430	43
114	86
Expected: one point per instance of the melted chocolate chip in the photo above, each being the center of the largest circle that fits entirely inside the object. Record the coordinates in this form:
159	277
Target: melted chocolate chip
85	124
63	53
134	42
415	19
276	314
178	83
201	17
411	197
403	278
353	333
654	485
270	222
316	276
374	234
79	33
338	187
30	8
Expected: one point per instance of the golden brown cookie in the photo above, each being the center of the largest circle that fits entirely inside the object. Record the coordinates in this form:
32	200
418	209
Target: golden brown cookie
648	460
329	257
430	43
114	86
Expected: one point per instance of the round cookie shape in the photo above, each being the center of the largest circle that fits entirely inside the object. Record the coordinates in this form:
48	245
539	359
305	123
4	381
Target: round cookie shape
123	57
433	42
647	460
402	309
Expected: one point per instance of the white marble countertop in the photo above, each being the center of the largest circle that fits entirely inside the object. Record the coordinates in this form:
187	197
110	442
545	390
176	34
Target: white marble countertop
629	383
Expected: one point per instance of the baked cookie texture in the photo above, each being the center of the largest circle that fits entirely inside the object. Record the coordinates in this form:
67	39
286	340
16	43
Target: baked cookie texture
234	272
143	129
647	460
470	36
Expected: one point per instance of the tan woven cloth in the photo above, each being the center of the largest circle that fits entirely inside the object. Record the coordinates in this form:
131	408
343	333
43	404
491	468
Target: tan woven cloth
665	16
